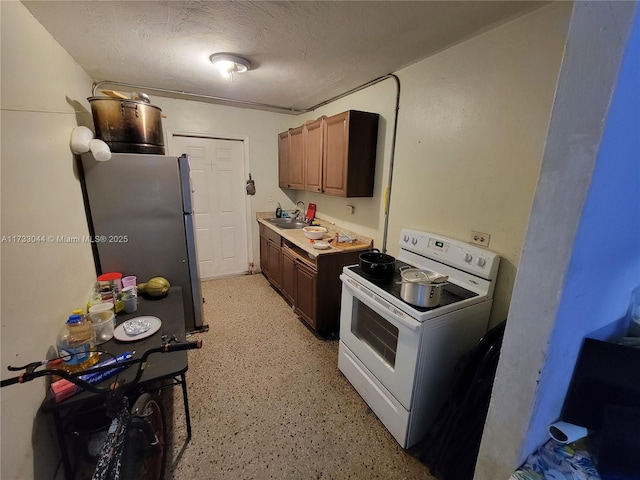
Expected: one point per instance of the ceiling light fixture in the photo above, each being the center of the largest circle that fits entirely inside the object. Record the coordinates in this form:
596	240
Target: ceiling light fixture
228	64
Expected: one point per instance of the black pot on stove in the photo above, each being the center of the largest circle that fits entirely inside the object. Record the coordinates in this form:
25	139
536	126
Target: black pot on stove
377	265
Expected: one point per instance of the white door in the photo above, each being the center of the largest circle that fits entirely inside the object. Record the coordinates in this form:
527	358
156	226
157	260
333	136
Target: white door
219	195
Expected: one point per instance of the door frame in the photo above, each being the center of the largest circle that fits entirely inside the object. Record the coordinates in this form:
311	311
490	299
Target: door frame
246	167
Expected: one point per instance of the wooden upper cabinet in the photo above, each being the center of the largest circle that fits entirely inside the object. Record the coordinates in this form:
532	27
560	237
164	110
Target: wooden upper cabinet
296	159
349	154
336	143
333	155
313	135
283	159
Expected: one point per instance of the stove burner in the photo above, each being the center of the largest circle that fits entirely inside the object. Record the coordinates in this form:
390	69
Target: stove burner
451	293
371	278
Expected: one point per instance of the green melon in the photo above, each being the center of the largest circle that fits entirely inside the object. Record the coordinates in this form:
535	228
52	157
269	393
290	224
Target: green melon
157	287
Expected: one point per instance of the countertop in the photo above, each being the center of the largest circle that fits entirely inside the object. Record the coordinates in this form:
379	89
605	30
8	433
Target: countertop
296	236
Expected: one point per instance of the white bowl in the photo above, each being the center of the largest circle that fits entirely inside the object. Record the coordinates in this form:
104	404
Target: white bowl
313	232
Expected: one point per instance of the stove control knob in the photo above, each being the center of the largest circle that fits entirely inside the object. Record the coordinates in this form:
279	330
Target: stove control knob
481	262
468	257
414	241
405	238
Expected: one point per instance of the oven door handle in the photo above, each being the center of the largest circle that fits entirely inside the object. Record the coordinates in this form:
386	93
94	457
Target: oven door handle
389	315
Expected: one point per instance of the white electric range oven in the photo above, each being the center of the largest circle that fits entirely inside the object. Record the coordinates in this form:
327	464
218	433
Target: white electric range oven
399	357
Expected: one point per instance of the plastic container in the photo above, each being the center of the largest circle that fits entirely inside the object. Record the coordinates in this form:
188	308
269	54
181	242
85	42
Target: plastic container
102	311
76	344
103	328
95	297
130	304
110	280
129	292
129	281
110	288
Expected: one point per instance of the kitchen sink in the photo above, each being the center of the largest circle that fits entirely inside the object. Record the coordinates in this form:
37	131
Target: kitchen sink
288	223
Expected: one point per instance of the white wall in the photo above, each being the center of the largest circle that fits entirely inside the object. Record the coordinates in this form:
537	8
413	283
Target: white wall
43	97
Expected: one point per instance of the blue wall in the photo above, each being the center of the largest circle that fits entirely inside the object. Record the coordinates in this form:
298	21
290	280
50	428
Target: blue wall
605	263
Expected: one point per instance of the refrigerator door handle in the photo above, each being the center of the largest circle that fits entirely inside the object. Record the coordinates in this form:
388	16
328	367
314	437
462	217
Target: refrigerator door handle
185	182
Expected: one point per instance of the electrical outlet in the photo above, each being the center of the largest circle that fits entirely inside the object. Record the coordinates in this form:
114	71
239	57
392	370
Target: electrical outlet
479	238
270	199
350	209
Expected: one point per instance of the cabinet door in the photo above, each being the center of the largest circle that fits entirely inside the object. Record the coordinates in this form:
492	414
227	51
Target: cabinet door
275	264
288	275
305	288
264	256
283	160
313	145
336	146
296	159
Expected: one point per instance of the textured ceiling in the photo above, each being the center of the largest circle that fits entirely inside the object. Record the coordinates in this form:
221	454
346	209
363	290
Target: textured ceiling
302	53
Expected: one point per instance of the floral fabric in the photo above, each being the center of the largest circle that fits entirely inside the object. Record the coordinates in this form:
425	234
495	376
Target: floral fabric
556	461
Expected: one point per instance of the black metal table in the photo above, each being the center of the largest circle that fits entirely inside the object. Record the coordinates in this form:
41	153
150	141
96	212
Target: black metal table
162	370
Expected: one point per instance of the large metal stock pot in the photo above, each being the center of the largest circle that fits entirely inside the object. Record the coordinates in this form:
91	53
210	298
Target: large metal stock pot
128	126
422	288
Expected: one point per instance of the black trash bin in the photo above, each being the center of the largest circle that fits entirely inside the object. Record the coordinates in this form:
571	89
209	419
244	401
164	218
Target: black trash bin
450	449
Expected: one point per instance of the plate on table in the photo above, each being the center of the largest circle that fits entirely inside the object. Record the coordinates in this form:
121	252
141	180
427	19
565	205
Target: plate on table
126	331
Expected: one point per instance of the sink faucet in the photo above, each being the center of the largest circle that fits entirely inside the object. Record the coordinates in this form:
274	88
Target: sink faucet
301	215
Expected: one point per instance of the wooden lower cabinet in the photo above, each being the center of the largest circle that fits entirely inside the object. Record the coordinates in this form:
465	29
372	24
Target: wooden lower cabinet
264	265
299	285
306	294
288	275
275	264
312	286
270	256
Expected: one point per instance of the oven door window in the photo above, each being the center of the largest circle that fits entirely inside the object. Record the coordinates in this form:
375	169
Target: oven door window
372	329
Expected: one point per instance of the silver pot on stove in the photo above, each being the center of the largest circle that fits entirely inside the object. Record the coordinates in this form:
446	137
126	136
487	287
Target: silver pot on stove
422	288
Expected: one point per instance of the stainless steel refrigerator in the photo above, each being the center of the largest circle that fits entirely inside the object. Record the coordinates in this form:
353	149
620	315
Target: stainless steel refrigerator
140	216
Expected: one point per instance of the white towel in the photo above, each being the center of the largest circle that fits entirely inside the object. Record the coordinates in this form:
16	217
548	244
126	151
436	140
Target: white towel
100	150
80	138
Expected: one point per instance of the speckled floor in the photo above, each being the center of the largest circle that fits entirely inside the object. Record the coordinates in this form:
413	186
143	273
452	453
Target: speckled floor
267	400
